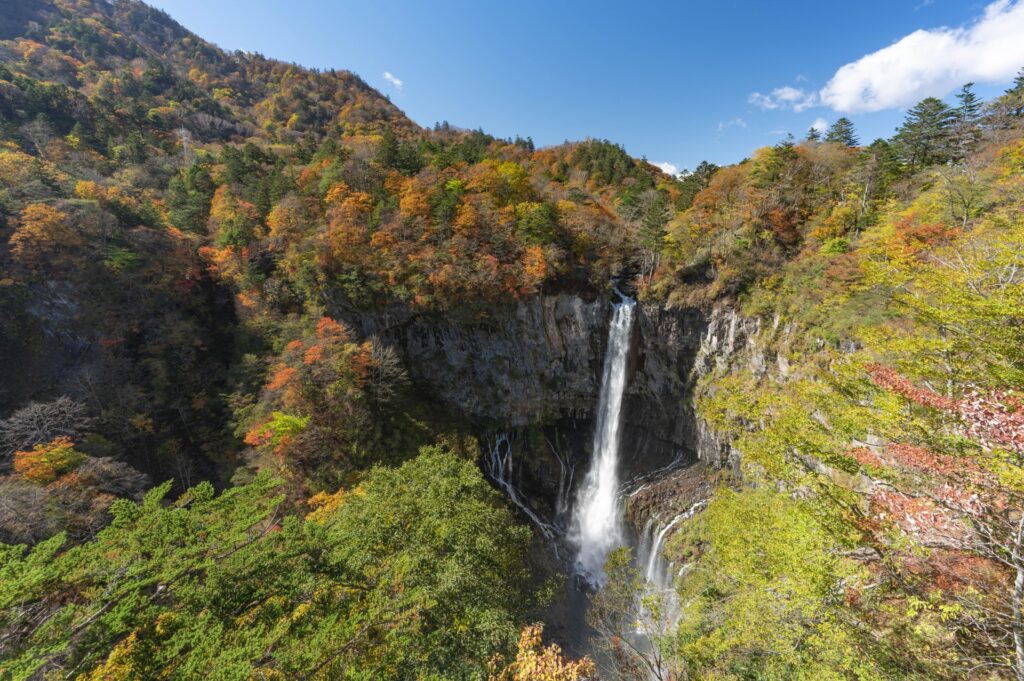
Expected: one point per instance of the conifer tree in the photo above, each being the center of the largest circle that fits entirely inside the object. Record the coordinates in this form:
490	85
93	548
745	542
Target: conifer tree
967	116
842	132
1015	96
925	136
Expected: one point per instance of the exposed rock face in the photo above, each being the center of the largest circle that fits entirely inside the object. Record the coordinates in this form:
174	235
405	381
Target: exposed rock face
532	370
732	341
538	363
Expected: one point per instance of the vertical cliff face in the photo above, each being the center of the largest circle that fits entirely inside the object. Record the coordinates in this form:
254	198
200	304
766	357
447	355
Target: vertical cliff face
730	341
537	364
527	378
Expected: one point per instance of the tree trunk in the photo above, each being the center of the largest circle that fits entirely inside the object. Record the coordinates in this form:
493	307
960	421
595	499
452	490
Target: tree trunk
1018	601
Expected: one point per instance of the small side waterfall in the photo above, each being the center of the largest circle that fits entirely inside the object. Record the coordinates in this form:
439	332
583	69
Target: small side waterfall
498	465
597	523
657	570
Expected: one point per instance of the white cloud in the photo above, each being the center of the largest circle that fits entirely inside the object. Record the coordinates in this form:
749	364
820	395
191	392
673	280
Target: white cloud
669	168
932	62
786	97
734	123
819	124
394	80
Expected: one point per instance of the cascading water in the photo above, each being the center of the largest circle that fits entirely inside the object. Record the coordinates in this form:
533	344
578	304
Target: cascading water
498	465
656	569
597	524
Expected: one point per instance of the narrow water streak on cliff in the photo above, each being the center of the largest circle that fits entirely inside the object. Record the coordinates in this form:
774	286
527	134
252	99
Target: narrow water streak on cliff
498	465
597	523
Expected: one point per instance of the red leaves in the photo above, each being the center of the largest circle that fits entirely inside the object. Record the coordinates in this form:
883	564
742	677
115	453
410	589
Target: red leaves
282	377
992	419
890	379
865	457
327	328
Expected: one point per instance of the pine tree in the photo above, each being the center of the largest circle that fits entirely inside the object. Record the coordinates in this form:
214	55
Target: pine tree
925	136
842	132
1015	96
813	135
967	116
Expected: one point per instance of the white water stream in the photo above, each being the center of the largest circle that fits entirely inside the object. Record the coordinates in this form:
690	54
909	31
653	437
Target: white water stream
597	523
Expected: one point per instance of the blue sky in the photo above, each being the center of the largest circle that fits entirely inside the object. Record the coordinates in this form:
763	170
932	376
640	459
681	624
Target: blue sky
677	82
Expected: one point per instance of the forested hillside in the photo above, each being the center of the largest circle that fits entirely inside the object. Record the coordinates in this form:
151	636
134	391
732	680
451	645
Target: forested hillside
874	526
208	469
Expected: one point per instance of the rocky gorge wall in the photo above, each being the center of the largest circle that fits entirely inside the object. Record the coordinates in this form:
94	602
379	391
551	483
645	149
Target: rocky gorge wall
537	365
527	375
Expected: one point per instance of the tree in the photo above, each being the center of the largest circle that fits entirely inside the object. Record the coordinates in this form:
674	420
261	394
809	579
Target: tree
44	238
966	129
693	182
419	572
813	135
842	132
40	422
1013	99
189	194
536	662
633	622
974	503
924	137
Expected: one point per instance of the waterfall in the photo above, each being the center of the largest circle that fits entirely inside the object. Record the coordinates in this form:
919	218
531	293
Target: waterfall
656	569
498	466
597	524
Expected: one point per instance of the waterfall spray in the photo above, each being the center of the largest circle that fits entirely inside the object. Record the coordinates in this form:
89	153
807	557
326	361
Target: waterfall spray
597	524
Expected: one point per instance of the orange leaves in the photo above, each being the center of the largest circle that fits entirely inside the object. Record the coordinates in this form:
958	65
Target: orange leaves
535	267
865	457
414	203
890	379
327	328
913	238
46	463
313	355
258	436
286	221
43	237
347	216
466	219
283	377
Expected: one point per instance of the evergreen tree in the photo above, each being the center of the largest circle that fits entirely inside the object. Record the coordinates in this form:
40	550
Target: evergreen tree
1015	96
813	135
967	117
925	136
842	132
188	198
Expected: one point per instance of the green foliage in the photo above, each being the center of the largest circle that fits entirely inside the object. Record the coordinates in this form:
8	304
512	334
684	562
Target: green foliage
766	599
924	137
189	194
842	132
536	223
412	575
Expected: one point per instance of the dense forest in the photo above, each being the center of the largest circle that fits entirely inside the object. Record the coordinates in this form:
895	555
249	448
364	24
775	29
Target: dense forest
207	469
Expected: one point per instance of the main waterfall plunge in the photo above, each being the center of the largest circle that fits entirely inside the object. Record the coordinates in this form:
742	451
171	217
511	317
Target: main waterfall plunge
597	524
591	521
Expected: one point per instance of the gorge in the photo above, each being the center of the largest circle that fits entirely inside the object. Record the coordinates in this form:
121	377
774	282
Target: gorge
293	386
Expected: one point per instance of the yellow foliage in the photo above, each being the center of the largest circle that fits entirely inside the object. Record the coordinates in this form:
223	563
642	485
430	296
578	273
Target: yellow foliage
43	236
120	665
534	662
